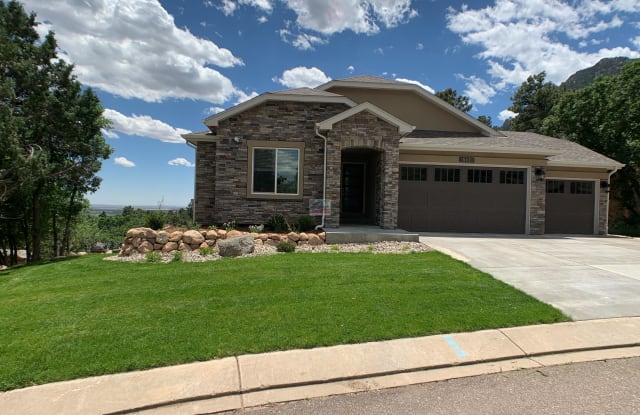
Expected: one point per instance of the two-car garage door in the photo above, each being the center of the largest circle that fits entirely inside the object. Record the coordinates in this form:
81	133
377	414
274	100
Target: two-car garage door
462	199
488	200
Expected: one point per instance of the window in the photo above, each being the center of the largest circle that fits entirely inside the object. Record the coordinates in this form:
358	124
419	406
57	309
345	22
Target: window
555	186
582	188
415	174
511	177
479	176
447	175
274	169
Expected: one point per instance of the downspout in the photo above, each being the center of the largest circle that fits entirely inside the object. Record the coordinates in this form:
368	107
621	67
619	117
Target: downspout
195	173
324	177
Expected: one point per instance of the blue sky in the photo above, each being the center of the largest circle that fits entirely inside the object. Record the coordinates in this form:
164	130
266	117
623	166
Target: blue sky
160	67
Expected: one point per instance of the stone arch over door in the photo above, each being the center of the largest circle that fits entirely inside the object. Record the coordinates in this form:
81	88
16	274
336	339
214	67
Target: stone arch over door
365	133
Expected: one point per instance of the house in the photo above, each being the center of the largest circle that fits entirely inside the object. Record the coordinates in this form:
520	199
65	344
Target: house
368	150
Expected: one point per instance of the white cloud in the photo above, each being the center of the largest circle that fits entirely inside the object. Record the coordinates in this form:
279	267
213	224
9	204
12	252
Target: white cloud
351	68
228	7
506	114
122	161
378	51
263	19
212	111
133	49
478	90
636	41
144	126
242	97
521	37
109	133
420	84
302	41
360	16
180	161
419	46
301	76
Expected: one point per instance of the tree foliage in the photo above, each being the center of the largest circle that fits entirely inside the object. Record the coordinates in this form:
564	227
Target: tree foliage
451	96
605	117
51	144
533	102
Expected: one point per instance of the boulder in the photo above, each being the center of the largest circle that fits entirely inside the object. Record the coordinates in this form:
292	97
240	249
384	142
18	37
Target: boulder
192	238
222	233
145	247
163	237
234	233
184	247
314	240
170	246
175	236
323	236
211	234
275	236
233	247
303	236
292	236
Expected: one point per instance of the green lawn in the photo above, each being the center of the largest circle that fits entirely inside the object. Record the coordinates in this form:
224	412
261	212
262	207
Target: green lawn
85	316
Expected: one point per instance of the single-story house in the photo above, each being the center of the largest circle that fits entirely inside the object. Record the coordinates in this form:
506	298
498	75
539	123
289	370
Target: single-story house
368	150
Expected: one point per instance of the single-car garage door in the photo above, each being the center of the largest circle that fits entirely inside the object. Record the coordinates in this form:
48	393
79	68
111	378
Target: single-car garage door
462	199
570	206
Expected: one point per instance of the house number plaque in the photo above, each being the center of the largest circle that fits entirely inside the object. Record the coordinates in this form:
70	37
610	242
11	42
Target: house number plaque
466	159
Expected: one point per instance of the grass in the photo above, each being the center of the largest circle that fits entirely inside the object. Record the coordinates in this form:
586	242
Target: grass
85	316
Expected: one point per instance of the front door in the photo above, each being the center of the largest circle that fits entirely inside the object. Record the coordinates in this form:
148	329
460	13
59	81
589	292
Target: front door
352	200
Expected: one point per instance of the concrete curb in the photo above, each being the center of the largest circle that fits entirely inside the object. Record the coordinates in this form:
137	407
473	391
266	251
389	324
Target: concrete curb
252	380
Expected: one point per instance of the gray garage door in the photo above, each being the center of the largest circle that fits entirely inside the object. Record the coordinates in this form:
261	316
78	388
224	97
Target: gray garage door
462	199
569	206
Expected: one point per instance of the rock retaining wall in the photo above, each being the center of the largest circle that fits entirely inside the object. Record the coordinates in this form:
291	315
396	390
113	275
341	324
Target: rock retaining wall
145	240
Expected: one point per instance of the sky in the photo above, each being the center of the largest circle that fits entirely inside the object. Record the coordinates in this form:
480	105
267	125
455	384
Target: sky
160	67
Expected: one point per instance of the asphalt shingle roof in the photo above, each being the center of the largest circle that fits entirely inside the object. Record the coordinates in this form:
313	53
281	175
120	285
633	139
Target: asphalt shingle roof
560	151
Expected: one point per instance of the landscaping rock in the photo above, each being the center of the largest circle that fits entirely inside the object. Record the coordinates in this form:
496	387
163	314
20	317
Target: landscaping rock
323	236
233	233
292	236
184	247
175	236
145	247
233	247
170	246
222	233
303	236
192	238
314	240
211	234
163	237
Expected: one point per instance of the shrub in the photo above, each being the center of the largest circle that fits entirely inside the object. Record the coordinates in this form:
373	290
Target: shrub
256	228
177	256
229	226
306	223
154	257
207	250
277	223
154	220
286	246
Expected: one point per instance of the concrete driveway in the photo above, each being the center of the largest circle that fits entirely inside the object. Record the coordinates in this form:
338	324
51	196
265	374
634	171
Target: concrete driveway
587	277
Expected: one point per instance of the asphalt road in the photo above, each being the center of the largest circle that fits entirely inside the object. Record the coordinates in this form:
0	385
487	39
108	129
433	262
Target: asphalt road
607	387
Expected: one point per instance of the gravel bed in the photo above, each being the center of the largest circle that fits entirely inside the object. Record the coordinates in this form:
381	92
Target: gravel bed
376	248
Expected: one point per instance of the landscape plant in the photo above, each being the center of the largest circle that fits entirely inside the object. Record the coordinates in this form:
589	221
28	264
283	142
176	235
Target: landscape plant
286	246
277	223
306	223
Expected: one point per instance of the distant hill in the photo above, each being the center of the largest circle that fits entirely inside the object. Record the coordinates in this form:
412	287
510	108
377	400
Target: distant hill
606	67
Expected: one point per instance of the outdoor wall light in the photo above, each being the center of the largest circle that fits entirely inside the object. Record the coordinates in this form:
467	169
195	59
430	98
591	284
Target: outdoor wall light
539	172
604	185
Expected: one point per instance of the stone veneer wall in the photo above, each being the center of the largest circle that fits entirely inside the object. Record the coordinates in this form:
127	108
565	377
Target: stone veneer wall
221	175
538	203
365	131
603	211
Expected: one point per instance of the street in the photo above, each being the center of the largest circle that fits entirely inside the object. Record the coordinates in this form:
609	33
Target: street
601	387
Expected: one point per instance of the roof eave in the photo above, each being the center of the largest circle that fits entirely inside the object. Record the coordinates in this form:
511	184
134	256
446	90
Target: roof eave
613	166
482	150
403	127
213	120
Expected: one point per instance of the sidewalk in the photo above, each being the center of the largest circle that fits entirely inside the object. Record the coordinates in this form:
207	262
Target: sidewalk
252	380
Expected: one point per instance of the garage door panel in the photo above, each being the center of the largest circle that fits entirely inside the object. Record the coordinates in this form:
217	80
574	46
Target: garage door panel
569	212
462	206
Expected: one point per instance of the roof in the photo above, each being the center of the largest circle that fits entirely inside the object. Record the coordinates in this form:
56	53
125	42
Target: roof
305	92
368	79
403	127
559	152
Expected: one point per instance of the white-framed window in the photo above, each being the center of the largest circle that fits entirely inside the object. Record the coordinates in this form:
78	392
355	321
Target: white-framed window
275	169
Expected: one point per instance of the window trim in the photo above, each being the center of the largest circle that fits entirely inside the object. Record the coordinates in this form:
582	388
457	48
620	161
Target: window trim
253	144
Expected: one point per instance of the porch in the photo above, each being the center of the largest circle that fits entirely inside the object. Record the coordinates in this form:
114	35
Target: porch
367	234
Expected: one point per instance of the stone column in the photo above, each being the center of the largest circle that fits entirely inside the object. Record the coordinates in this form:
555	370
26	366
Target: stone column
537	208
603	210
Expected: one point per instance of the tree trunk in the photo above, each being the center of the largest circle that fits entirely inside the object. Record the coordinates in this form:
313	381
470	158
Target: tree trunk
36	226
66	239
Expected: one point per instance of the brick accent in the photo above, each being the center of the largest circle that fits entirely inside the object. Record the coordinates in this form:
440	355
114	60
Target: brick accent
537	208
603	211
366	131
221	173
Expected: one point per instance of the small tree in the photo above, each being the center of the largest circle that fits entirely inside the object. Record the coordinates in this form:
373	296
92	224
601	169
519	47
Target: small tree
533	102
451	96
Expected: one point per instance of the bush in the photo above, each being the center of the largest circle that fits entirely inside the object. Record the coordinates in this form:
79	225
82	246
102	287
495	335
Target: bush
207	250
306	223
154	220
286	247
277	223
177	256
154	257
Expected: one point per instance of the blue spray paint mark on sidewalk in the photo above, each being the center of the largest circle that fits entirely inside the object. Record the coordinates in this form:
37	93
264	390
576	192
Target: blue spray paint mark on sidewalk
461	354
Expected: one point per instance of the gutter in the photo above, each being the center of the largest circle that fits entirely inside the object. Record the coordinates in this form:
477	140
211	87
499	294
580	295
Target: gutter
324	177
